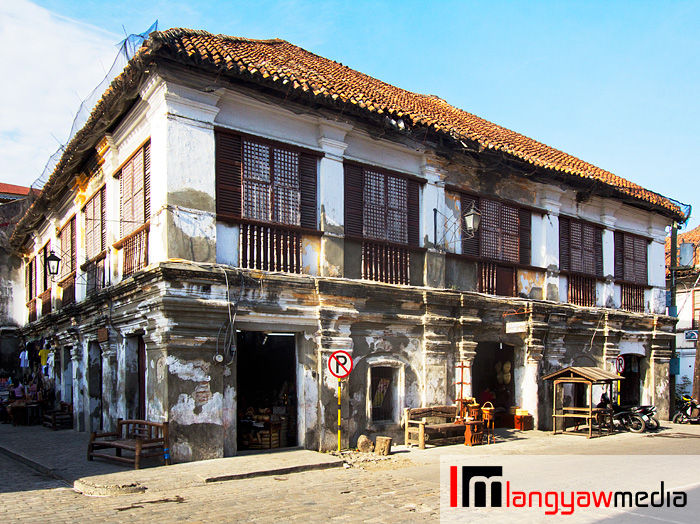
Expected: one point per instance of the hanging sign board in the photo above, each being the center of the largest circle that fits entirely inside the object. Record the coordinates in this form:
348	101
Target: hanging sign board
340	364
691	334
516	327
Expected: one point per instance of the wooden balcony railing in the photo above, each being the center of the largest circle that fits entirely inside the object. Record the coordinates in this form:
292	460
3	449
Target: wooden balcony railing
385	263
270	248
95	276
45	298
67	286
31	310
135	252
498	280
582	290
632	298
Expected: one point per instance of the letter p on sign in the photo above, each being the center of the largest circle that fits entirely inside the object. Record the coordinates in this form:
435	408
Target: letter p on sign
340	364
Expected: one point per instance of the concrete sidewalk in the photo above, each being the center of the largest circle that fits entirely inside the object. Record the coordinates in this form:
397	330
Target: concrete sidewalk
63	455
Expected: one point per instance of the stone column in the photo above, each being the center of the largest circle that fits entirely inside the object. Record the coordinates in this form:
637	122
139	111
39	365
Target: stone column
660	361
433	227
547	236
534	349
331	192
78	365
333	335
469	320
608	296
111	399
437	349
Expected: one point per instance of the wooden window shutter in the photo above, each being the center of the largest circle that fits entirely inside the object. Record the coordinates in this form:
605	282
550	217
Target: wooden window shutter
619	255
413	213
354	200
640	260
629	258
138	195
29	279
470	246
525	236
103	219
229	167
576	246
308	173
41	270
564	244
127	202
147	181
598	248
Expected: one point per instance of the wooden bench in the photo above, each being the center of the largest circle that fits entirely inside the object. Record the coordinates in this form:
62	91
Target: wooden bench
59	418
419	428
141	438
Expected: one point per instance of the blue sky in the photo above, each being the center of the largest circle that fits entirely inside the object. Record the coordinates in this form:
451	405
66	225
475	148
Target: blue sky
613	82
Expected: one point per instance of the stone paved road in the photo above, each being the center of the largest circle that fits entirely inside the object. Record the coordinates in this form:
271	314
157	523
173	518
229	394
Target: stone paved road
339	495
382	494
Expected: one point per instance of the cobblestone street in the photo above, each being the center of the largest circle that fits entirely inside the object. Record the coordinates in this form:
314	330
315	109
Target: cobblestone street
342	495
403	488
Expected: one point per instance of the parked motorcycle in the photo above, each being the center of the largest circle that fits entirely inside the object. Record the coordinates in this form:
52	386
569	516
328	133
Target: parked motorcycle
622	416
648	414
684	410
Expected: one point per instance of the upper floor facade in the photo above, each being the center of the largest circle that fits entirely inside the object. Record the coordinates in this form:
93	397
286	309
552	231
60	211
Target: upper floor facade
213	170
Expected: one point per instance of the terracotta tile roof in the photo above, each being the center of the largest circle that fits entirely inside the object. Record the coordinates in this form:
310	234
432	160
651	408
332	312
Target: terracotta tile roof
11	189
281	66
286	66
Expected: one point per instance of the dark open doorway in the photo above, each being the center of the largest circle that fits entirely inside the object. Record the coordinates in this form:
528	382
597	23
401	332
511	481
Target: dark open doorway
493	374
629	388
266	379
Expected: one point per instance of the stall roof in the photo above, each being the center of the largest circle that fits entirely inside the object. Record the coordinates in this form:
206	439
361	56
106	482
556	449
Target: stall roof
587	373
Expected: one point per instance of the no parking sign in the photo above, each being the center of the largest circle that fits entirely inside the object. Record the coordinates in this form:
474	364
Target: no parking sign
340	364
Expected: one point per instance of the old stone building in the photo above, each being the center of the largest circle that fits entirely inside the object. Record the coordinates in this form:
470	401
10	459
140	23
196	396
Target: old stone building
234	211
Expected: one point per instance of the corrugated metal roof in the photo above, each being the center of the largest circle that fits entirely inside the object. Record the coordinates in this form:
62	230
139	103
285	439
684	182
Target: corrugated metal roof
587	373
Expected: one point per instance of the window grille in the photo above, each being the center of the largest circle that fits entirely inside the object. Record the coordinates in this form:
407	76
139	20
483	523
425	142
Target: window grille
270	249
497	280
582	290
95	276
632	298
385	263
135	252
382	393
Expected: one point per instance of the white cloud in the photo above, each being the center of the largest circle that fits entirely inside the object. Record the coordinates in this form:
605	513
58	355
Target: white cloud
48	64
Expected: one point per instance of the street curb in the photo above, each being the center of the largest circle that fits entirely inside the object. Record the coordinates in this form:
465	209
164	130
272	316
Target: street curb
88	488
36	466
271	472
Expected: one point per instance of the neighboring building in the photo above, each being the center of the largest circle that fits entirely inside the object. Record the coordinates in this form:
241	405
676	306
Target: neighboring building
234	211
688	305
14	201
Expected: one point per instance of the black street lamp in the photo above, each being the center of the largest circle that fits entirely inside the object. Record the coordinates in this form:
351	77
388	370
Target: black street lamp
53	263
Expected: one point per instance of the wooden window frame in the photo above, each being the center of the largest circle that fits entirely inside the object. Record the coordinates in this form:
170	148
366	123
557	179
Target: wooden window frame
69	248
95	226
356	205
474	247
586	259
231	176
624	243
135	191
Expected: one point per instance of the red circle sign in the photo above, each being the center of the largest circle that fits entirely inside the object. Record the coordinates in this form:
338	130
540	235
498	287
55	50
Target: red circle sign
340	364
620	364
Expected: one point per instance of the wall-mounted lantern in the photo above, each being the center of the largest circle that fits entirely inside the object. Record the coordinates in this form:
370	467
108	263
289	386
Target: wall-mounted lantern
53	263
471	221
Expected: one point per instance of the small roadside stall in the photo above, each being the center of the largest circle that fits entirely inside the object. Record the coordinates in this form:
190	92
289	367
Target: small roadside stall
578	408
